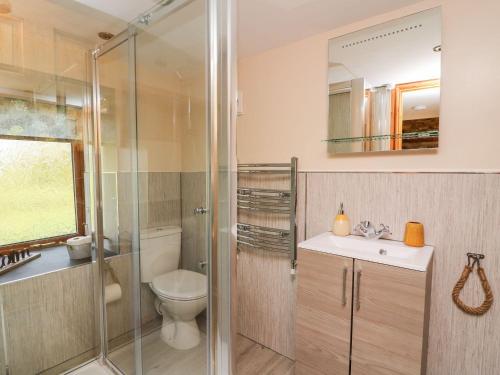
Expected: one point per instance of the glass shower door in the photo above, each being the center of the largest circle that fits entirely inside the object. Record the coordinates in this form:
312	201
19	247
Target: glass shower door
170	65
154	188
118	191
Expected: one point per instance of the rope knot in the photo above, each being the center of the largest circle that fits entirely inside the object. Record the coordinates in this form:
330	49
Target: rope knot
488	294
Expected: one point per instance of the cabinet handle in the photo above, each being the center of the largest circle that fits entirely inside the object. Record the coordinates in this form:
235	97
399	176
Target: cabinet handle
344	287
358	295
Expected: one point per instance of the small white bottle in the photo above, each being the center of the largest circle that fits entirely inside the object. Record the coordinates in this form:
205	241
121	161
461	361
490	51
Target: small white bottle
341	224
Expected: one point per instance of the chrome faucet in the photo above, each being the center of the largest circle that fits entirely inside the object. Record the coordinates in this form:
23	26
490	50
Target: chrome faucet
367	229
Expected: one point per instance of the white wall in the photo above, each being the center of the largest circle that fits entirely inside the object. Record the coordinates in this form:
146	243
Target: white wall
286	106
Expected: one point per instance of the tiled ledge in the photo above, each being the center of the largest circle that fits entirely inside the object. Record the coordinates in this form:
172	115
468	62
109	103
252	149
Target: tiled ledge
52	259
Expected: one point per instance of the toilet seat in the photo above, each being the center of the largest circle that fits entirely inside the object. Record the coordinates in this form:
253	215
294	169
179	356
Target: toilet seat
180	285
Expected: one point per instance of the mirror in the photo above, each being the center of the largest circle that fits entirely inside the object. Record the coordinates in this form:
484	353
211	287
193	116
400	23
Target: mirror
384	86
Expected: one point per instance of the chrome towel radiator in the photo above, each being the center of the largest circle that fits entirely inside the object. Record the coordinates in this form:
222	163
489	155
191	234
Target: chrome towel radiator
281	202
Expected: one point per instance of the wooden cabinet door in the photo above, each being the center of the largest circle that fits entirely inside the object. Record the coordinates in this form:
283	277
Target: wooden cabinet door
323	323
388	320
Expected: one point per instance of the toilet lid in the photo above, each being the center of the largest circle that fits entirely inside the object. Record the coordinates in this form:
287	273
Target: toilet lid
180	285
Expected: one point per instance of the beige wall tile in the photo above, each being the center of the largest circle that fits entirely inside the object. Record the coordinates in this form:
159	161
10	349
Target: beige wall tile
460	213
266	290
49	319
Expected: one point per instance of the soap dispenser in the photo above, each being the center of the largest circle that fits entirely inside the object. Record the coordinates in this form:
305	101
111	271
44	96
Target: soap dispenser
341	224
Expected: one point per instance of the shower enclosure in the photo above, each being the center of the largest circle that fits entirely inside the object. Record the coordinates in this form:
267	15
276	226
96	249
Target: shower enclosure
127	142
162	96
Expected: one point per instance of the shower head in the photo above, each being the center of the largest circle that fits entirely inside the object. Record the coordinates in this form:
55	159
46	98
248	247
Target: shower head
105	35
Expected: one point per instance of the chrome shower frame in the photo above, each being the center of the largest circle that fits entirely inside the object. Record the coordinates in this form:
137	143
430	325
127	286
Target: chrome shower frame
221	179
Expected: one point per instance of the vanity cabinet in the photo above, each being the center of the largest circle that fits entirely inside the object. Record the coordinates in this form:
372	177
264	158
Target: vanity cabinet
323	301
358	317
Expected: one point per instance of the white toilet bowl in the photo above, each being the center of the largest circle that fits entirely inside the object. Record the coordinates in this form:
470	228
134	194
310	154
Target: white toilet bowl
182	295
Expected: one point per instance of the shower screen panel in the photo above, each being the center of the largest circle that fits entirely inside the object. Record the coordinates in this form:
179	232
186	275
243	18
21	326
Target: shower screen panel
154	185
118	213
170	65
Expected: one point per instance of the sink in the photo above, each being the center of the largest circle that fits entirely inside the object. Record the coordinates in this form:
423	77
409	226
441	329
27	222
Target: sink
392	253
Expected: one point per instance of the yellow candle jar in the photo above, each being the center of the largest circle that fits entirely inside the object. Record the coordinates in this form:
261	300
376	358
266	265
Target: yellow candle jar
414	234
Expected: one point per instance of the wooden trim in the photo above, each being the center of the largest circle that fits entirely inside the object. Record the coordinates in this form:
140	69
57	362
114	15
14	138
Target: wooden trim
79	184
393	120
398	104
33	138
37	244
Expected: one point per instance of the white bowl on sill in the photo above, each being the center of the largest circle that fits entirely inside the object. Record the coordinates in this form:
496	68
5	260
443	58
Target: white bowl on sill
79	247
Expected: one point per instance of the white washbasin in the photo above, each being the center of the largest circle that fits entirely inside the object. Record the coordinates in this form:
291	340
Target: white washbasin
392	253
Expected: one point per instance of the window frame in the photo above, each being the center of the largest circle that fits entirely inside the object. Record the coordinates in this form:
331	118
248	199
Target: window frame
77	156
399	90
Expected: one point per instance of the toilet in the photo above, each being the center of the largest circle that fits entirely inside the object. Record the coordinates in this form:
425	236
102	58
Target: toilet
180	294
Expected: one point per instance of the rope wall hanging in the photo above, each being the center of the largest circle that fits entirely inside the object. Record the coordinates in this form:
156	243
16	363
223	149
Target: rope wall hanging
488	294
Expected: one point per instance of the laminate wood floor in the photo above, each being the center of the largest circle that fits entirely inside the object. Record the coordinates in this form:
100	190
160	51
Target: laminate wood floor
158	358
256	359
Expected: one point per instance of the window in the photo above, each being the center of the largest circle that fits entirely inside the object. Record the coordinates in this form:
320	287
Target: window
41	180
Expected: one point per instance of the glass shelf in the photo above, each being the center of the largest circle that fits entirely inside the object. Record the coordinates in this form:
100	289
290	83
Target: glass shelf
413	135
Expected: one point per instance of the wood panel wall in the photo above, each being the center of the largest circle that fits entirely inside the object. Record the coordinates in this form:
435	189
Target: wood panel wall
266	290
120	318
461	213
48	320
194	236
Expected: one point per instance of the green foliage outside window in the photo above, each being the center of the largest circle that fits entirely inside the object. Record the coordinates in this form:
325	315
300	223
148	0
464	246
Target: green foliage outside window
37	196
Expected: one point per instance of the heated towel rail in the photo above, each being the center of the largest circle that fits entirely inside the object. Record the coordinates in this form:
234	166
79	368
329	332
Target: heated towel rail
271	201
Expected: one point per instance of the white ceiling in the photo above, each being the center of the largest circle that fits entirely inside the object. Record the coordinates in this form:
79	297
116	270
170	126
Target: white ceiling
428	98
262	24
266	24
126	10
398	51
182	32
68	16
